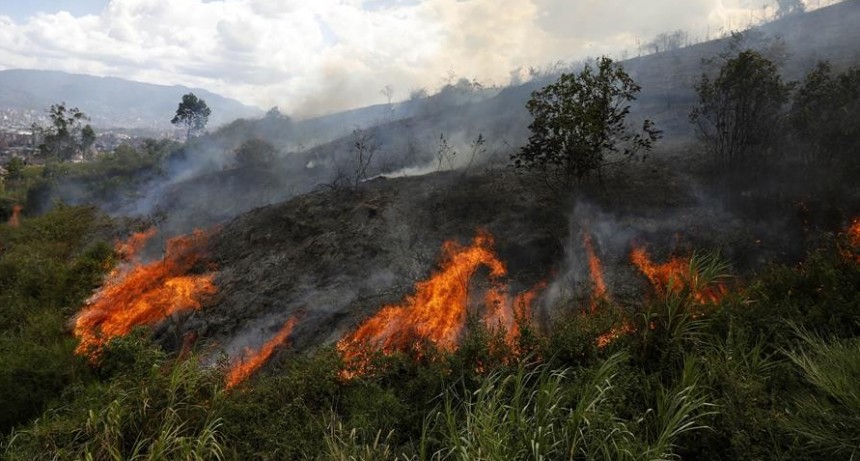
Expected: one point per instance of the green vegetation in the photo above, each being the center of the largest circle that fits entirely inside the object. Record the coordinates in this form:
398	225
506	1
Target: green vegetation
770	370
578	122
255	153
67	136
110	177
825	114
750	376
193	113
740	110
48	267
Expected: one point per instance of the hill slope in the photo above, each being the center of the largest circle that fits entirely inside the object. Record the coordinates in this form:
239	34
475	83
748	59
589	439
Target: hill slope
110	101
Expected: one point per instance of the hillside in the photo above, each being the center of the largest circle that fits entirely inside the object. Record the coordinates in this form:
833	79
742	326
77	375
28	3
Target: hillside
111	102
396	282
408	140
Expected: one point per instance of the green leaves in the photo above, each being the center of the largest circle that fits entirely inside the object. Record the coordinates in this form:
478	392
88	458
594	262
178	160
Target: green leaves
193	113
740	111
579	121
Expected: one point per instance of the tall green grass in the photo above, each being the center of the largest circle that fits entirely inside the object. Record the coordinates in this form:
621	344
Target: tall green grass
828	418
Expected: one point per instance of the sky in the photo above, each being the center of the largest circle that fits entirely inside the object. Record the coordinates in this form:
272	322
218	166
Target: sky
311	57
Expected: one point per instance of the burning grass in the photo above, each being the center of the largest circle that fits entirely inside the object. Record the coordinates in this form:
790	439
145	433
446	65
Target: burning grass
251	360
138	294
437	312
15	219
595	269
850	249
678	275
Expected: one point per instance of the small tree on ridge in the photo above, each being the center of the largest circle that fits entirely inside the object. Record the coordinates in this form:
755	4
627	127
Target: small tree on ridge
193	113
579	121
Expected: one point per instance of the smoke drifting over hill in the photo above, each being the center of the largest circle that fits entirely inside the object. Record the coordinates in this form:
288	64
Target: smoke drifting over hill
347	216
339	54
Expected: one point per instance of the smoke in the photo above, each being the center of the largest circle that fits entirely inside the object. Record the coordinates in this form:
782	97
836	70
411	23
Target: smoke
610	238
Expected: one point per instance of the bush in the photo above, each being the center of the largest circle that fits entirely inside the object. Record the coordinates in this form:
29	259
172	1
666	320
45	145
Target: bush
48	266
579	121
171	412
740	111
255	153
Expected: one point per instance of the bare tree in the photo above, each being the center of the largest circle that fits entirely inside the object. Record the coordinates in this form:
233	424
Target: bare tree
668	41
364	146
388	92
445	153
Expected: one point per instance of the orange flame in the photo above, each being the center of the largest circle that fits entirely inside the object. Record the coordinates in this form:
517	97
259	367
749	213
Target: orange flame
595	268
251	361
852	234
674	275
129	248
437	312
15	219
144	294
504	313
614	333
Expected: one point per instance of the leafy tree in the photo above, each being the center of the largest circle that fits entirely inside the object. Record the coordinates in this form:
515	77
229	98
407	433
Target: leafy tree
825	113
193	113
15	167
66	136
579	121
740	111
255	153
88	138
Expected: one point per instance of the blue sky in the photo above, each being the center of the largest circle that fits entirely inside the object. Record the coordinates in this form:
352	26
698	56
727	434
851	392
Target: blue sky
20	10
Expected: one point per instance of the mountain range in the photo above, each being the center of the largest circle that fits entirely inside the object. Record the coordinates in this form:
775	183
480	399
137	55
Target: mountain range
110	101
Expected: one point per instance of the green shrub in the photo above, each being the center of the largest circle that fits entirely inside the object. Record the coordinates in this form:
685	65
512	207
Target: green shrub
170	413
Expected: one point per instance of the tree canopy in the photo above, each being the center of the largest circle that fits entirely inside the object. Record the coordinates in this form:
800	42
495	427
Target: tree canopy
193	113
255	153
740	111
67	135
579	121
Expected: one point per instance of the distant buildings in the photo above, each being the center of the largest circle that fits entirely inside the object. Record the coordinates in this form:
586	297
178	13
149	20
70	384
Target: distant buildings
17	138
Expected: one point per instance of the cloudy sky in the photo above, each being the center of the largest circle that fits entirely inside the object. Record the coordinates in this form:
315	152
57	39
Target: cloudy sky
315	56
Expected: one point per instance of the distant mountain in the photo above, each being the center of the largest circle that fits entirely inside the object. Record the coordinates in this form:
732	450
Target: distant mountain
110	101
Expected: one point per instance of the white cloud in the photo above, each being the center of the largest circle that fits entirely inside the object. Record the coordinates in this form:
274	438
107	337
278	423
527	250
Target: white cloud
314	57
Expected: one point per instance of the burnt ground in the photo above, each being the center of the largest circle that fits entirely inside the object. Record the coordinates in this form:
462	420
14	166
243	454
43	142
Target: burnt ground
334	257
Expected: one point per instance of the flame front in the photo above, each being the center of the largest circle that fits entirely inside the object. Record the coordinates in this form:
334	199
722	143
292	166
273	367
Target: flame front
852	239
15	219
144	294
614	333
251	361
675	276
129	248
595	268
437	312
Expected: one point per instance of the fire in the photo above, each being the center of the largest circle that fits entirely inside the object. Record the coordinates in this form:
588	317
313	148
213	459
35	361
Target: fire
614	333
144	294
129	248
595	268
437	312
675	276
852	239
508	314
250	361
15	219
854	232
